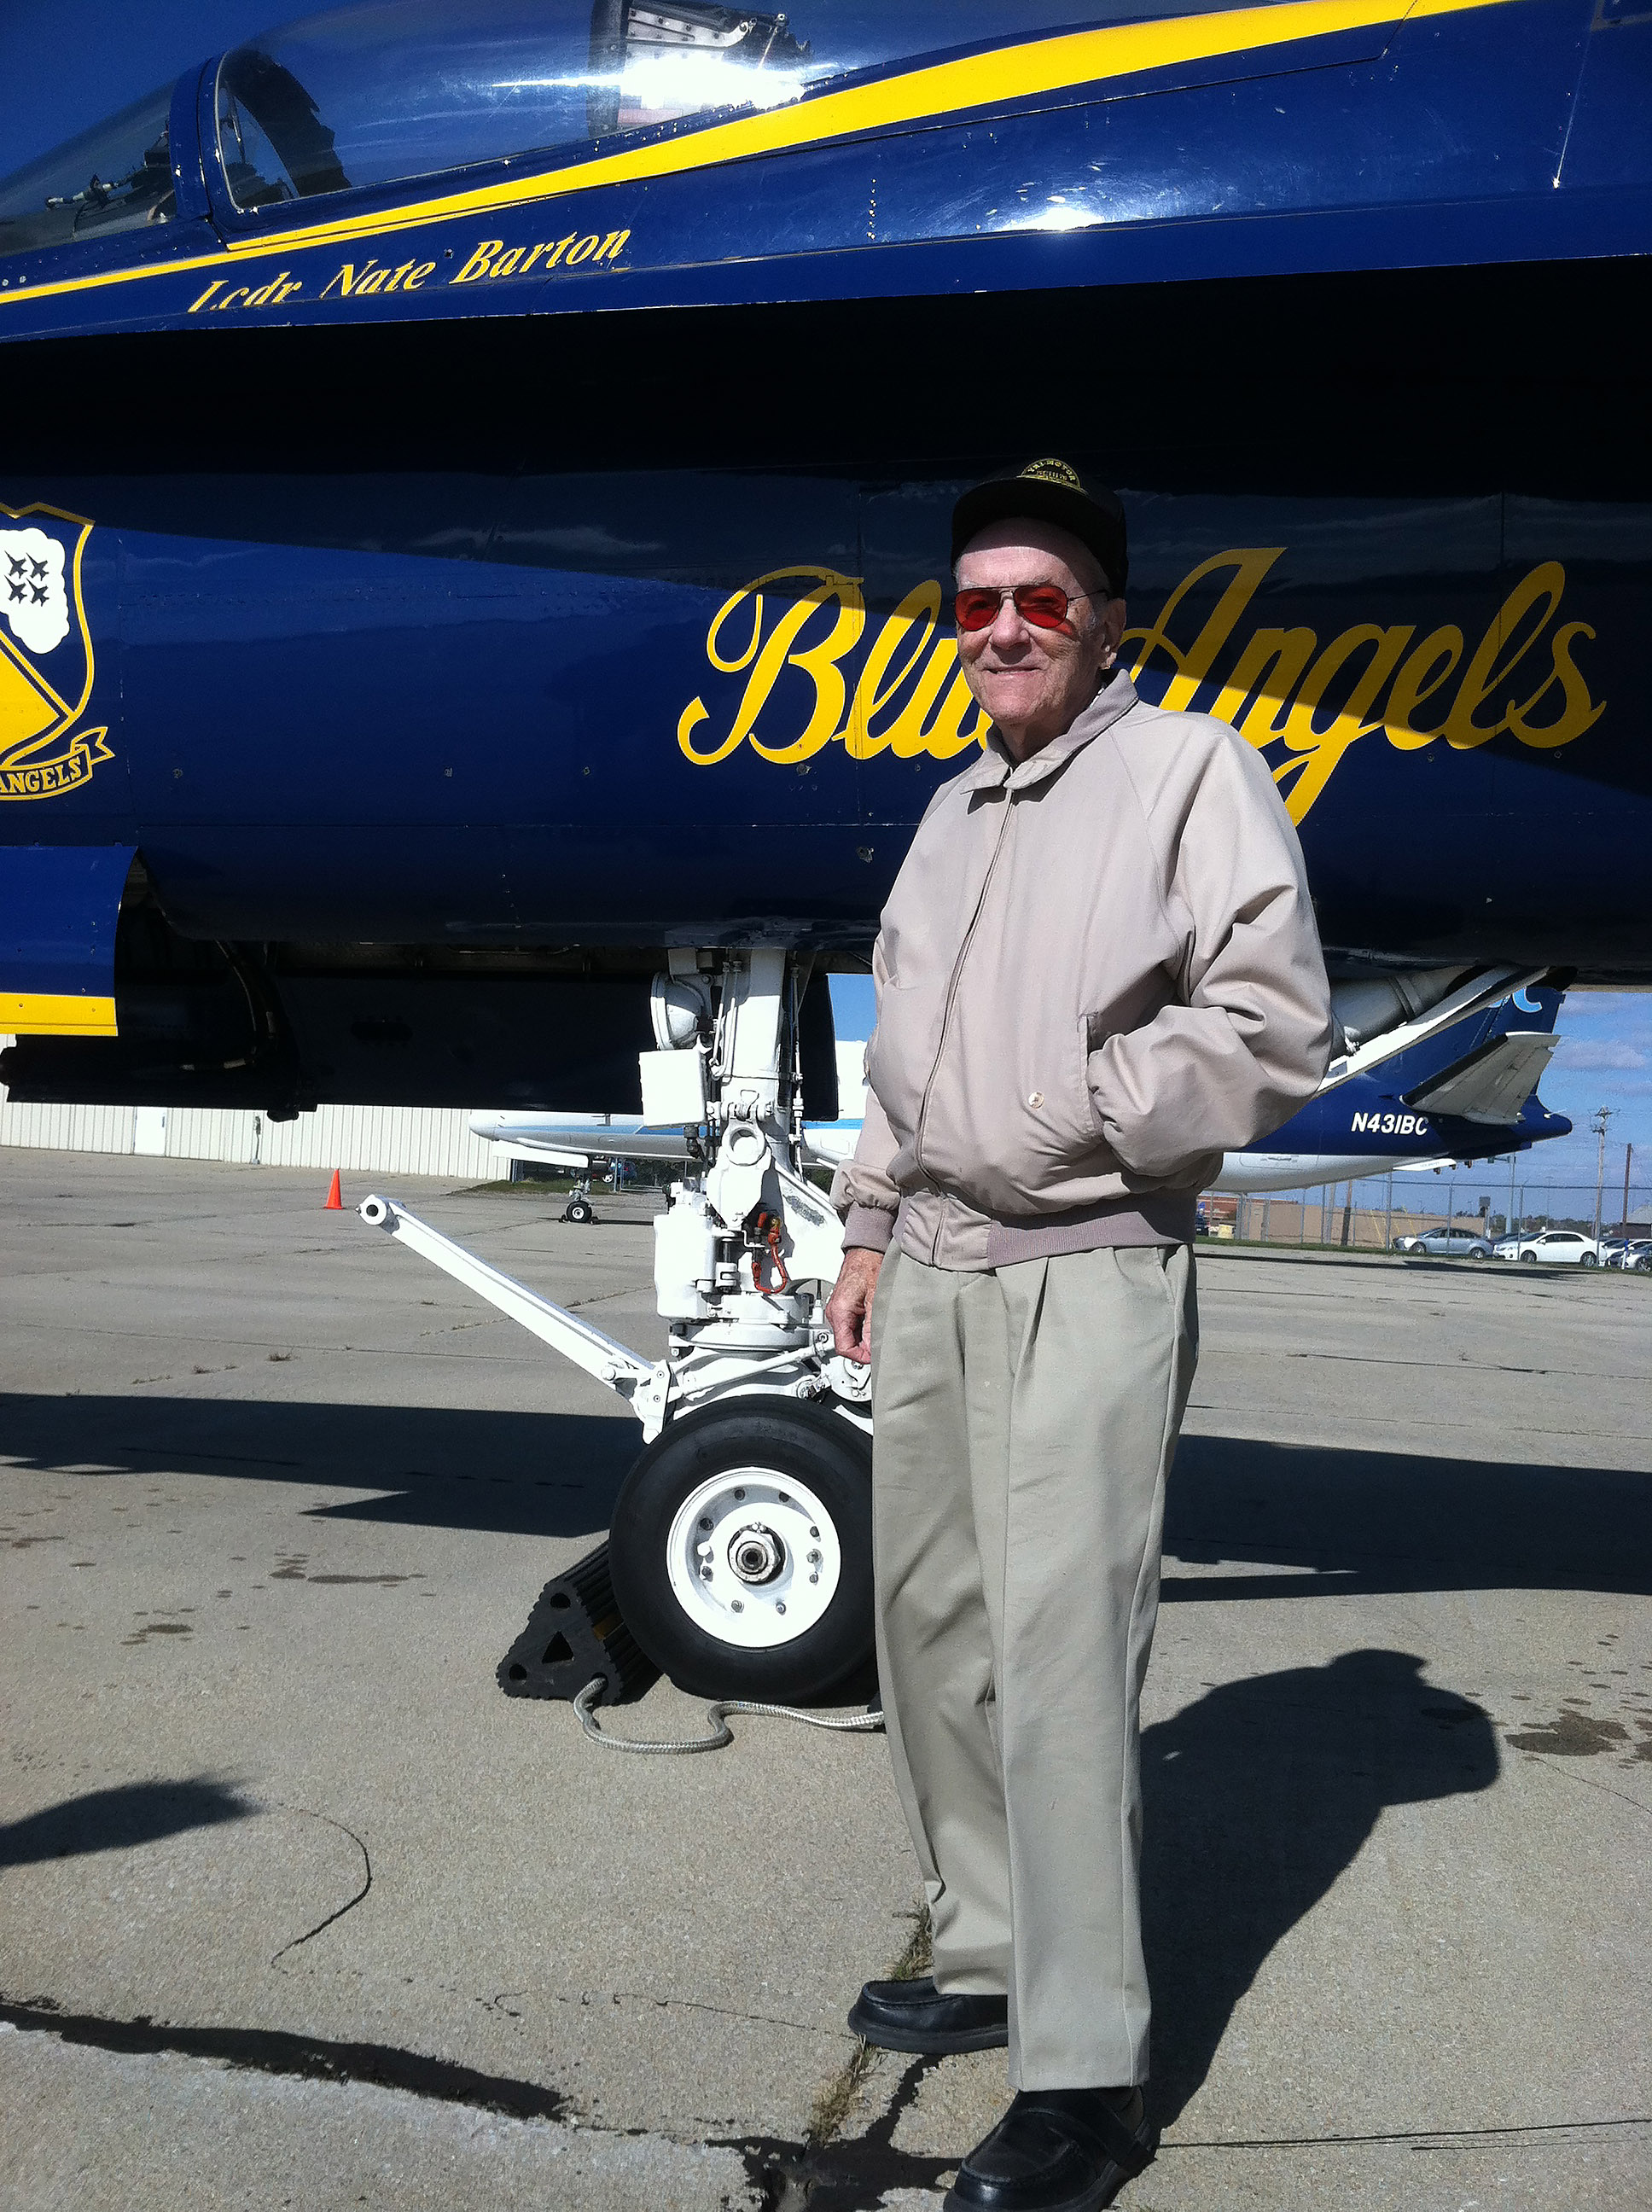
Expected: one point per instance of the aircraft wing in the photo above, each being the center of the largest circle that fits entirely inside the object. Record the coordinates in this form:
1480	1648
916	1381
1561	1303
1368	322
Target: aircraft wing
1490	1084
575	1144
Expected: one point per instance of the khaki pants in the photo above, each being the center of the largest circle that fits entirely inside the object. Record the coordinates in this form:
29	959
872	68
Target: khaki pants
1025	1421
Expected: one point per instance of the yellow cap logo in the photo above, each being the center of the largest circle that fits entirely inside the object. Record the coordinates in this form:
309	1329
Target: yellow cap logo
1055	472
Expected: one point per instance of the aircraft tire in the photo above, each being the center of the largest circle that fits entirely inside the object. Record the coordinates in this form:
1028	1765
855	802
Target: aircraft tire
787	1488
578	1209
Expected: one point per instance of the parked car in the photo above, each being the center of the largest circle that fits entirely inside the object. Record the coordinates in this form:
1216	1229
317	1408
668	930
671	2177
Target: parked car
1446	1244
1569	1245
1635	1257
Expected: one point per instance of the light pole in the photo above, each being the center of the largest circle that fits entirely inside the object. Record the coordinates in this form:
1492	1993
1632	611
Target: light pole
1629	1154
1602	1116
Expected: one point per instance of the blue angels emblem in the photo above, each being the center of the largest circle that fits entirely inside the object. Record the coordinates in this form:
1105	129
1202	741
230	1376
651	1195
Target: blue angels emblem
46	663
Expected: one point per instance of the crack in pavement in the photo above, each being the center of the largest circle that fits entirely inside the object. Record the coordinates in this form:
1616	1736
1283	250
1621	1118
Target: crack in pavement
789	2182
1570	1774
724	2012
1401	2134
794	2176
350	1905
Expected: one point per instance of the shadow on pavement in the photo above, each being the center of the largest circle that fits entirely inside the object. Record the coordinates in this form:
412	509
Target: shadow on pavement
510	1472
1370	1521
118	1820
1257	1798
1357	1521
309	2058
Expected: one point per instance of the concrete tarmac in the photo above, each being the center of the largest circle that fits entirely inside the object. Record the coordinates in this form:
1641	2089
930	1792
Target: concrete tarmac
298	1910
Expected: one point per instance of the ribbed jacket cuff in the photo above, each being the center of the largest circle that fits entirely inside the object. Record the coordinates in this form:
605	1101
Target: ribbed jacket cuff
868	1228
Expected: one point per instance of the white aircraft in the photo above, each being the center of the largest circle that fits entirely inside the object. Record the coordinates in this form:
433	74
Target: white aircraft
1464	1091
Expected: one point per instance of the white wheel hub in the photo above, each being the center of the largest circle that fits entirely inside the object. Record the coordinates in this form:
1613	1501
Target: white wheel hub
753	1558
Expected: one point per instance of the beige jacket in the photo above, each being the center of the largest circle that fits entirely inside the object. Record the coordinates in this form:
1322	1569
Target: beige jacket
1097	972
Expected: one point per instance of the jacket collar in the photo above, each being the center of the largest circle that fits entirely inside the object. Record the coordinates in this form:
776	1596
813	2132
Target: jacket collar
997	766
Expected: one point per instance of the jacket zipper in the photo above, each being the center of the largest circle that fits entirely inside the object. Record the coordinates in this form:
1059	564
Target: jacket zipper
952	990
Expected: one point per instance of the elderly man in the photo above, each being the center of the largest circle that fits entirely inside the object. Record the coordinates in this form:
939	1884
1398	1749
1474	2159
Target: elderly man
1097	970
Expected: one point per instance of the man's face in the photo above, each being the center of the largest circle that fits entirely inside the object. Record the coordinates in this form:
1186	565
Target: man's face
1034	682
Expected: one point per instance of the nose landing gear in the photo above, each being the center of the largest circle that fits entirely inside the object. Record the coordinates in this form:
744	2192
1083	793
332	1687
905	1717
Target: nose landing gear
741	1548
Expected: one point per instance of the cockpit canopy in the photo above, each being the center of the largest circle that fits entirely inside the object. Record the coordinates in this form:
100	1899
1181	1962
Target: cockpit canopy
375	94
411	88
117	176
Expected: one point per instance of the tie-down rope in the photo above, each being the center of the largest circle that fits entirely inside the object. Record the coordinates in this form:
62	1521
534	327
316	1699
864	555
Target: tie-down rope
853	1725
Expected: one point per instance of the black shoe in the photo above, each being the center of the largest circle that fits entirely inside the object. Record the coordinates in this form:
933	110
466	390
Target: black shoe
915	2016
1057	2150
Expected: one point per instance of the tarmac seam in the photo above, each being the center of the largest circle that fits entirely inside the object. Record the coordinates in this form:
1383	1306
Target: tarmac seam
421	1351
1463	1366
1402	1421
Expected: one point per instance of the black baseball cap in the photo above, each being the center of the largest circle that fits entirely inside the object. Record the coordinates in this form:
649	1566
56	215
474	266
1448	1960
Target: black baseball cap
1050	491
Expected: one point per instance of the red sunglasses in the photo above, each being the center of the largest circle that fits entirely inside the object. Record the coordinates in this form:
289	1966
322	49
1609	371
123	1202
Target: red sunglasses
1043	605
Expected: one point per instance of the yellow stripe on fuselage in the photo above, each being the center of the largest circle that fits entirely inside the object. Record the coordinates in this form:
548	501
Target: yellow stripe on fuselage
1007	73
45	1013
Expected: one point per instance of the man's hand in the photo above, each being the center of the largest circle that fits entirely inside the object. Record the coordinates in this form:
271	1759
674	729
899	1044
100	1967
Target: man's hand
849	1308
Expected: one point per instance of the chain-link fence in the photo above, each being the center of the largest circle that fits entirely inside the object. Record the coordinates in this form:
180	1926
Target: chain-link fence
1368	1213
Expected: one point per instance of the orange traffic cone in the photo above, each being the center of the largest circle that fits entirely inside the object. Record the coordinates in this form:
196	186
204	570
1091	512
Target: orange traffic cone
335	1197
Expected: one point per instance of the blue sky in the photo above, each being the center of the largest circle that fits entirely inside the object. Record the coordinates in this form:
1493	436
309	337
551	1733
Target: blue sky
1604	1059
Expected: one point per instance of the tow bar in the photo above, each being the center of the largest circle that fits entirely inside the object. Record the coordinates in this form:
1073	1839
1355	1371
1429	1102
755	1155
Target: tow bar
644	1387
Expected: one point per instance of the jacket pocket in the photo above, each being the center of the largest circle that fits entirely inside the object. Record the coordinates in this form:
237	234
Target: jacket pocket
1044	1134
1090	1119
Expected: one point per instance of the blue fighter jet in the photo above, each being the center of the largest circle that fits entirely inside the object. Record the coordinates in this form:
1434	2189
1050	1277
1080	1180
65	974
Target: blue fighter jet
476	476
473	530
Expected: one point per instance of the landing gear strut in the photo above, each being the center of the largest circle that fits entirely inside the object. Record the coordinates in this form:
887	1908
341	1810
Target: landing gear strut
741	1548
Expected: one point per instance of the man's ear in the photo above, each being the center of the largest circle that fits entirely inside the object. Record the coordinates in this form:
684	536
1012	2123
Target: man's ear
1112	627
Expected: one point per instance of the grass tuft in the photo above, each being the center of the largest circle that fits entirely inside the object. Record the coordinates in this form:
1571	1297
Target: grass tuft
831	2109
